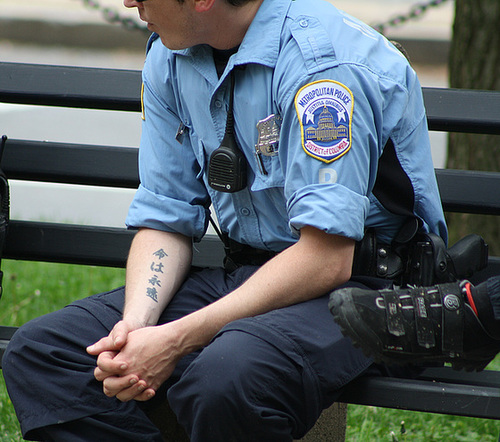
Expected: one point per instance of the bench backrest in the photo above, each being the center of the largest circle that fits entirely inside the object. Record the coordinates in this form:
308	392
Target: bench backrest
441	391
112	89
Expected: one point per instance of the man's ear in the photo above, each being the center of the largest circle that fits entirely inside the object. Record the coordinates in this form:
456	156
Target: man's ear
203	5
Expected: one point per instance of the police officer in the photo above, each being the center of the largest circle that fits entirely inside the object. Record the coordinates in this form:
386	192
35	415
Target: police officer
324	120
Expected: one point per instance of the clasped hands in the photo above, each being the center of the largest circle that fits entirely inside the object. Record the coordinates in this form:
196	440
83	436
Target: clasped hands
133	361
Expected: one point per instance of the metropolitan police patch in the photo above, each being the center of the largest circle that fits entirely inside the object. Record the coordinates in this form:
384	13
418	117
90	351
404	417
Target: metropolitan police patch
324	109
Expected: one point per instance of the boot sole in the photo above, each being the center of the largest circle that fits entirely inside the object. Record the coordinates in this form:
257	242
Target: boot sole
351	324
345	313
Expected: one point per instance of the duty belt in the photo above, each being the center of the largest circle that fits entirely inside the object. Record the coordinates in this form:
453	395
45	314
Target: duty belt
238	255
421	261
370	259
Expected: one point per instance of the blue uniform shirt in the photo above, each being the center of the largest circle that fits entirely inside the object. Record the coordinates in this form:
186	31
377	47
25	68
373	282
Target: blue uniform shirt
341	90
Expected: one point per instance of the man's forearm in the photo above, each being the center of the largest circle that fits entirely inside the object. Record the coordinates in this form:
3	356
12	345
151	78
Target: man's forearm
157	265
316	264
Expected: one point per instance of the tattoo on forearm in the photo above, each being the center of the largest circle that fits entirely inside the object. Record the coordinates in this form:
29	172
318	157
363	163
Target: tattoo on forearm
155	281
156	267
160	254
152	293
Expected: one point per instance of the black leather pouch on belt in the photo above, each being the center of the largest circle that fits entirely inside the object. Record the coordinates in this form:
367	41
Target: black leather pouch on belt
375	259
413	258
419	259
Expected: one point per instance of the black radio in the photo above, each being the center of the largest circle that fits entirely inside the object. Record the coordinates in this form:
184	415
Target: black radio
227	169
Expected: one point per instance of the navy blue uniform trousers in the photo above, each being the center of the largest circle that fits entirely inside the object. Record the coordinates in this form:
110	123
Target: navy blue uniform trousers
265	378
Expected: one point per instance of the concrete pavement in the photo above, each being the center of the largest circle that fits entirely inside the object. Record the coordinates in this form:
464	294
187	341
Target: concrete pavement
73	23
435	24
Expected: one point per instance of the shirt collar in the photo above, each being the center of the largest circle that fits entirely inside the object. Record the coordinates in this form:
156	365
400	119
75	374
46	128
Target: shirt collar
262	41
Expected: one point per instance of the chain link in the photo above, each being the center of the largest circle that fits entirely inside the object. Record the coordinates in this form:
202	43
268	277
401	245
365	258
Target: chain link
114	17
416	12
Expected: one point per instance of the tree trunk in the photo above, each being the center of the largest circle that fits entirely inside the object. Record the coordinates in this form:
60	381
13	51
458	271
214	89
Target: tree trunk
475	64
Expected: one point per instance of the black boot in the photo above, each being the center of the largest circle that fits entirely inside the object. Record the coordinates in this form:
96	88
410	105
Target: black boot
420	325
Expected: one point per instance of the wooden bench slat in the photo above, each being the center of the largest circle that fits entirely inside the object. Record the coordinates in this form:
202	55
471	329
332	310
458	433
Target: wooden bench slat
420	395
460	110
88	245
68	86
71	163
464	191
108	246
67	243
493	269
461	190
486	378
450	110
6	334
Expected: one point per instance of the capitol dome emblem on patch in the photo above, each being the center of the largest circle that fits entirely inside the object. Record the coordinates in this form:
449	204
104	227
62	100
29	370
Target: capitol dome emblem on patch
324	109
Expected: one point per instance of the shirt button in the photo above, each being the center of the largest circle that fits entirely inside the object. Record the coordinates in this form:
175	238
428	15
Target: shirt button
245	211
218	104
303	23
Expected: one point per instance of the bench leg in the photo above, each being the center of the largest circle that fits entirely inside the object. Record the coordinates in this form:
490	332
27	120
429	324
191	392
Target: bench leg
330	427
164	418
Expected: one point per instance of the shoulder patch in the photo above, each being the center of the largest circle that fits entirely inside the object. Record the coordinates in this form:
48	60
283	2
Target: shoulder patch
324	109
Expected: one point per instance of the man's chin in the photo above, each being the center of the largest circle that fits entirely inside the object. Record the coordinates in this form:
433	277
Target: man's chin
170	45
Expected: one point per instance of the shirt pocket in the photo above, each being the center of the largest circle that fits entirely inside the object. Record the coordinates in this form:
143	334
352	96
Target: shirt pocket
201	157
190	139
269	175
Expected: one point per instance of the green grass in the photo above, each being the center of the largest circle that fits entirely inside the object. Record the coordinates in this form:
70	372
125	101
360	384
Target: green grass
367	424
32	289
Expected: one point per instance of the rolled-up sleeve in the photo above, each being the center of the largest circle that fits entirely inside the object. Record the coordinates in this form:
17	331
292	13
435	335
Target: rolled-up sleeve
332	196
334	209
171	196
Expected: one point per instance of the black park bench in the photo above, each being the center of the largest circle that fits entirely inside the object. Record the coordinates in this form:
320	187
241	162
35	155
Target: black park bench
438	390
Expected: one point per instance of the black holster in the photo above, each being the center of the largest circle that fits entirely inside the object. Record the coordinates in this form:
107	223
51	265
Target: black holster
412	259
421	259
